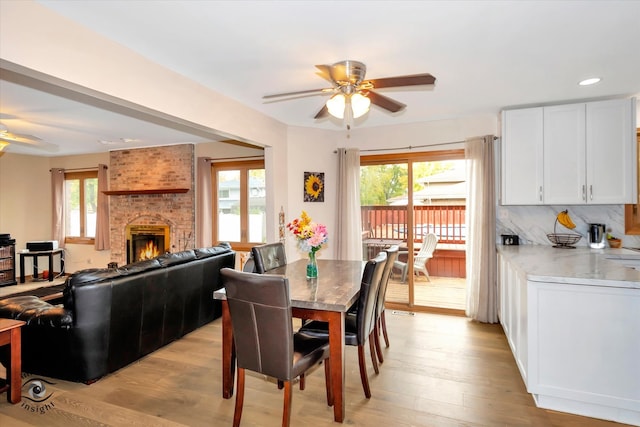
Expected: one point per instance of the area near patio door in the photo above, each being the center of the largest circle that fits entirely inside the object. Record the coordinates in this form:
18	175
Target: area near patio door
402	201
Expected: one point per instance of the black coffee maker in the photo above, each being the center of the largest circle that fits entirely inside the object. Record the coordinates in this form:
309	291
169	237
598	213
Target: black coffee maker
597	236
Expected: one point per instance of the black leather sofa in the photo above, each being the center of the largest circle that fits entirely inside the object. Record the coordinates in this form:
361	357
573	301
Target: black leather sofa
112	317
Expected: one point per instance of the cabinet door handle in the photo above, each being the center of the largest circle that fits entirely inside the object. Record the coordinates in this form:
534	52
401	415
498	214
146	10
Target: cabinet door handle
584	193
591	192
540	193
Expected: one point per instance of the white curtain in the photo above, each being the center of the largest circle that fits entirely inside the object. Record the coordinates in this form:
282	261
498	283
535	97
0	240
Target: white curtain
57	201
482	293
348	235
204	204
102	240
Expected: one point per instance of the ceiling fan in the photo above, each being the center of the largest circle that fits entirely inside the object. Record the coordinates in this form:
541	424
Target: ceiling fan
352	95
7	138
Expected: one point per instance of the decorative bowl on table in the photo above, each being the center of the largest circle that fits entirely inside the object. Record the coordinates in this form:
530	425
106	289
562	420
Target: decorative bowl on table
564	240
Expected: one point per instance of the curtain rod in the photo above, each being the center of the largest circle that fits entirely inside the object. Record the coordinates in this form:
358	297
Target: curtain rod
80	169
213	160
410	147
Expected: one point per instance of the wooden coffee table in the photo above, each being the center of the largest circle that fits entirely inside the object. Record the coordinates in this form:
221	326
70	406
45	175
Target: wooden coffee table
10	334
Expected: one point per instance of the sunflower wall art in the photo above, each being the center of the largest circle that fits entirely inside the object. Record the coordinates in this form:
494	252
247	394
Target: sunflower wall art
314	186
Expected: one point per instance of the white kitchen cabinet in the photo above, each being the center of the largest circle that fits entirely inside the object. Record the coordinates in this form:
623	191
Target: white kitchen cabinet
513	311
579	153
584	350
611	151
565	154
521	152
571	320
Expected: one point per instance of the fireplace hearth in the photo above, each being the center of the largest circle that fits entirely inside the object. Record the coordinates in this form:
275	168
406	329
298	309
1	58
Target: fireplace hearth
146	241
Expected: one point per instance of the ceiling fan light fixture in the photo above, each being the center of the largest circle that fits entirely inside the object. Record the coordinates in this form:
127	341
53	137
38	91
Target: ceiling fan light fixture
336	105
359	104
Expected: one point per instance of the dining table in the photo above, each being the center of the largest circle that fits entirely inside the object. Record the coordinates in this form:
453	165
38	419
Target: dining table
327	298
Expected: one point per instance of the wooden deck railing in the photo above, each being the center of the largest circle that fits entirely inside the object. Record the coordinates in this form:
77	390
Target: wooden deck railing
390	222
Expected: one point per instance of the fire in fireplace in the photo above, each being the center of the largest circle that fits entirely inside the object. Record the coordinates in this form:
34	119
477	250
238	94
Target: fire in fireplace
146	241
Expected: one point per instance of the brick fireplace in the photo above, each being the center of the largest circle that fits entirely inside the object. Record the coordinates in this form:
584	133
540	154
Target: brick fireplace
152	194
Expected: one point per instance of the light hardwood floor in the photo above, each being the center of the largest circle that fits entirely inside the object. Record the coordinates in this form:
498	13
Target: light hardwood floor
439	371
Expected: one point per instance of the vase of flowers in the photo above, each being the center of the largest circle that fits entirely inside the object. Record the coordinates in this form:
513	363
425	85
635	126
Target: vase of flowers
311	236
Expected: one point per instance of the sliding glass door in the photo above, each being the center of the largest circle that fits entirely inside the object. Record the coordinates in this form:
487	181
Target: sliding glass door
408	201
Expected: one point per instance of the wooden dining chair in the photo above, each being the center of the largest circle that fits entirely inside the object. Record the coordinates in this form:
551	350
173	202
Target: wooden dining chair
260	311
359	325
268	256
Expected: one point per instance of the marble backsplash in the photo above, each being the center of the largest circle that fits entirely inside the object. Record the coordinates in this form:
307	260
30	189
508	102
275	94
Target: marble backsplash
533	223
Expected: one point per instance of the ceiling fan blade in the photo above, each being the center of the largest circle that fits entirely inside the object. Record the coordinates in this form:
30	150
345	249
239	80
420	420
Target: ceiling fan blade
384	101
324	71
39	144
300	92
410	80
324	112
17	137
22	136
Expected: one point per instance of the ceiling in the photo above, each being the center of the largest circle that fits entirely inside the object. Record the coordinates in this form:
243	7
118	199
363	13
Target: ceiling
486	55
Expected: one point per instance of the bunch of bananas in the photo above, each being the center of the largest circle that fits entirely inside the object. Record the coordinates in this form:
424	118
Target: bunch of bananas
564	219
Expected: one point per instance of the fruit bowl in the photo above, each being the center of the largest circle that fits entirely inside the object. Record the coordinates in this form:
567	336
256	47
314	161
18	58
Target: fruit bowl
614	243
564	240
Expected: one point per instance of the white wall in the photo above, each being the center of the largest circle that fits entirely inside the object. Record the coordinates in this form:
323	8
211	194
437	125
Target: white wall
25	206
25	198
311	150
429	133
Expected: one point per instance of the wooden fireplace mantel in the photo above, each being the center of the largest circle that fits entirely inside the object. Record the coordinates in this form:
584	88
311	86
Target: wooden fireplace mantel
146	191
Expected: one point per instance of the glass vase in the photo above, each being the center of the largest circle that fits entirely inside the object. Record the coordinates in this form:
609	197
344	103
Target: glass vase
312	266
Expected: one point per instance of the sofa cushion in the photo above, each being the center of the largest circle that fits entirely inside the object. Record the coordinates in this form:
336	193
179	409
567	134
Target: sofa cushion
215	250
139	267
92	275
35	312
169	259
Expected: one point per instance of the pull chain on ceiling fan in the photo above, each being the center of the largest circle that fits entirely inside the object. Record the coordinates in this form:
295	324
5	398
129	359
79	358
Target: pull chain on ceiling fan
352	95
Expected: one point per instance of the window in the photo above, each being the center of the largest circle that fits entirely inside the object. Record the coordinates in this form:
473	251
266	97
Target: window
81	201
239	198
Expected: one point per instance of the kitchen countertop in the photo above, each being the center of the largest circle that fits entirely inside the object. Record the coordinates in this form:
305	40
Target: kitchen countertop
582	265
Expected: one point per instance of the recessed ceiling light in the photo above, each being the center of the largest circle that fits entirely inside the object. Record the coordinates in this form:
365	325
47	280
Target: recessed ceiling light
119	141
591	81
